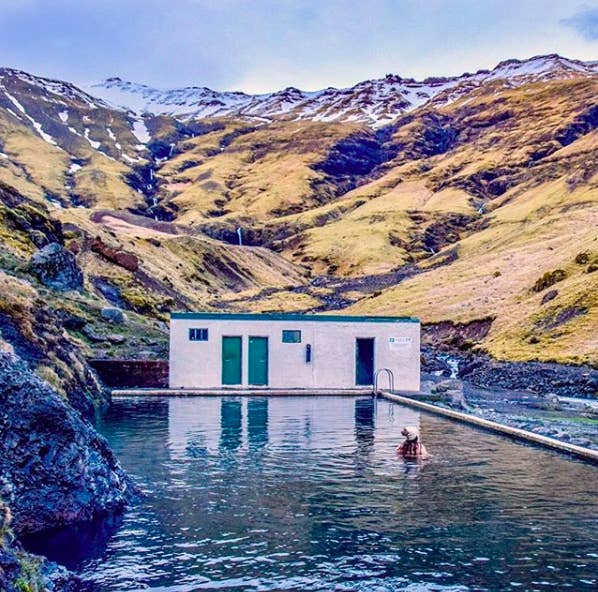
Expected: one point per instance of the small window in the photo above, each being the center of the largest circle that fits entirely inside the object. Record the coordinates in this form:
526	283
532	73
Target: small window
291	336
198	334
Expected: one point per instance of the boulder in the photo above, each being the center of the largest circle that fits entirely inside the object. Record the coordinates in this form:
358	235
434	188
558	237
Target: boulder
55	469
70	320
119	257
452	384
90	333
456	399
57	268
114	338
551	402
550	295
115	315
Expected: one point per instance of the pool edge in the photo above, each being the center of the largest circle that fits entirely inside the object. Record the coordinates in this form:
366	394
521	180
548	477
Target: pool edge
586	454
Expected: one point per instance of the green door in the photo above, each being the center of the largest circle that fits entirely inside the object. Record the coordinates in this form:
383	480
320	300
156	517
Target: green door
364	361
231	360
258	360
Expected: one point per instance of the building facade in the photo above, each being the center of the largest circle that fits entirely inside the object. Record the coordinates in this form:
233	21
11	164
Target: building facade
292	351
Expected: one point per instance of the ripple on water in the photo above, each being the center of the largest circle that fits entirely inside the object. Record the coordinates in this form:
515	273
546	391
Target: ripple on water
308	494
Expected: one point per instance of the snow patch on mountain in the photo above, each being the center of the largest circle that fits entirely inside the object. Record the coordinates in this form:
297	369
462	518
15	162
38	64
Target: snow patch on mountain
36	125
375	102
140	131
53	89
93	143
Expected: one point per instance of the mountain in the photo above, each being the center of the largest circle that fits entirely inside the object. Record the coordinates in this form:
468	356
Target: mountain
375	102
469	201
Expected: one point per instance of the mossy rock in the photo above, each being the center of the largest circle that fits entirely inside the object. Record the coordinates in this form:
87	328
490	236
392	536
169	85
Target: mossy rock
549	279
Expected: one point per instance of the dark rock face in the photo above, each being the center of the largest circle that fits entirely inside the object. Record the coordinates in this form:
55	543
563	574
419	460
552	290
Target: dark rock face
57	268
353	158
583	124
445	231
356	155
458	336
24	216
54	468
85	393
437	135
562	380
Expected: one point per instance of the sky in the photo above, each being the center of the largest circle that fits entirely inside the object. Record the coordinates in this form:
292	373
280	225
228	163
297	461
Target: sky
266	45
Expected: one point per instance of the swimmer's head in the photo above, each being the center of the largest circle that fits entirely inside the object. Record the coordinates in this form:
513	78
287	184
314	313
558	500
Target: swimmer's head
410	432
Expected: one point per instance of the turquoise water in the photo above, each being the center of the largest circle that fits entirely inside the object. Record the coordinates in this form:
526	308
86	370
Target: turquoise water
307	494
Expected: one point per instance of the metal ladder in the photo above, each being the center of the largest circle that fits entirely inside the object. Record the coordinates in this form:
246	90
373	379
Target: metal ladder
391	380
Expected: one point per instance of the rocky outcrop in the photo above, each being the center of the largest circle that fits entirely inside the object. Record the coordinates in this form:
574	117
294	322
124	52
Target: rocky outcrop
113	315
36	334
54	468
448	335
21	571
482	371
57	268
353	158
560	379
583	124
121	258
24	217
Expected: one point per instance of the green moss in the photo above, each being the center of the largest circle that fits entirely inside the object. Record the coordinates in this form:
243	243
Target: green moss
549	279
147	303
49	375
30	579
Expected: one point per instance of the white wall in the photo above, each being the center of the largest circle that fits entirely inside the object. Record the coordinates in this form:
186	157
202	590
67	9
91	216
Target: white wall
197	364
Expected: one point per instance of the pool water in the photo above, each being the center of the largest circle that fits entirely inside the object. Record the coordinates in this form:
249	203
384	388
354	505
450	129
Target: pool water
307	493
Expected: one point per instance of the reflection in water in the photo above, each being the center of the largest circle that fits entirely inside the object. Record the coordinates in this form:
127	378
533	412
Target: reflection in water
231	419
257	422
412	466
365	413
79	543
333	508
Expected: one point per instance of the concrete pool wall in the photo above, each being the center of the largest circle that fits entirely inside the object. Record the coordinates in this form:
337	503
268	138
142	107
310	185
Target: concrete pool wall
516	433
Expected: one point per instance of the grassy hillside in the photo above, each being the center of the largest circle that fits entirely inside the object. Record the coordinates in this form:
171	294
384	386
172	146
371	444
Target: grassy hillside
479	206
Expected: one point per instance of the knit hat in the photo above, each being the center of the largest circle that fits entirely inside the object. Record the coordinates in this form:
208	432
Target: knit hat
410	432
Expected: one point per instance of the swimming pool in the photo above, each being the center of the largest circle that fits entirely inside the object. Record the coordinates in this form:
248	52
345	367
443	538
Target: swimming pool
300	493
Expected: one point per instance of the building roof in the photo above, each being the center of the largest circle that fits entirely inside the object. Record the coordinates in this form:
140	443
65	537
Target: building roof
289	317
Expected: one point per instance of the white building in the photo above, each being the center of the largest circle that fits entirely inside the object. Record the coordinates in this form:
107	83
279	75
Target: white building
292	351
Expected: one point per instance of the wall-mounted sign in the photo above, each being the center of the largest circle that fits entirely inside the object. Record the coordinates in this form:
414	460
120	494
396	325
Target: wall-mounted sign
399	342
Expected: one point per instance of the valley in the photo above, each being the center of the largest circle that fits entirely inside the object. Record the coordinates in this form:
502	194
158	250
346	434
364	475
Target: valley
470	202
448	199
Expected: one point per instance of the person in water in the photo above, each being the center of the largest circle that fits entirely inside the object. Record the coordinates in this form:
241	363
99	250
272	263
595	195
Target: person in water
412	447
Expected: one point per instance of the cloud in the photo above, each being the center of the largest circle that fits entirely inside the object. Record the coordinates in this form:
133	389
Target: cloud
585	22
